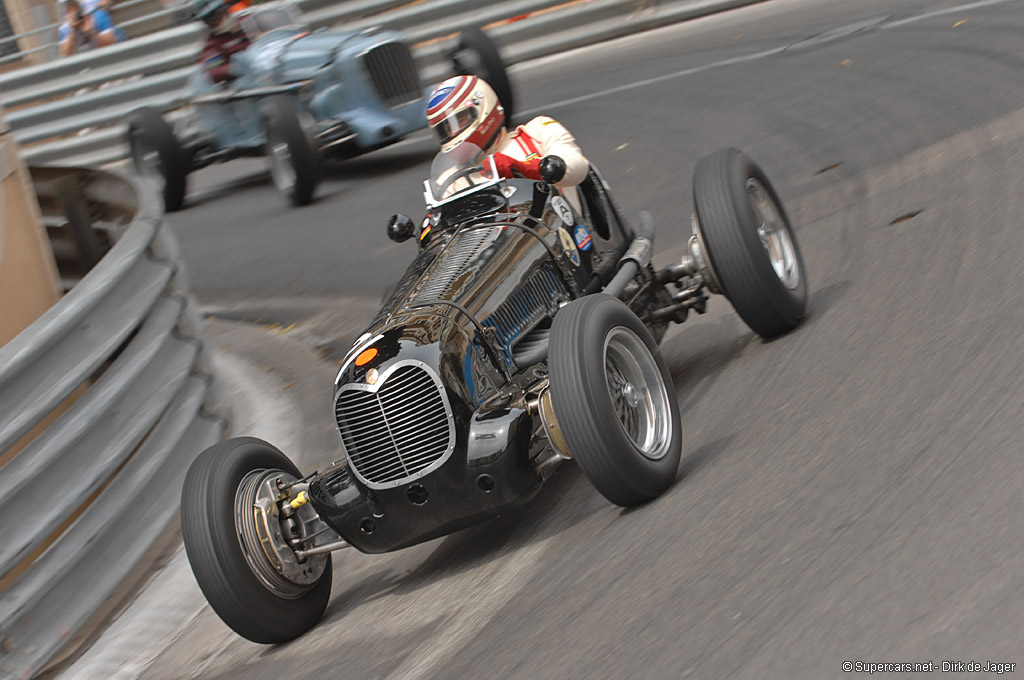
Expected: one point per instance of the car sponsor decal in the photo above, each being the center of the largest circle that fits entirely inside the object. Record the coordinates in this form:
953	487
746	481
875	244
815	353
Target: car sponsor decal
569	247
582	237
439	96
561	207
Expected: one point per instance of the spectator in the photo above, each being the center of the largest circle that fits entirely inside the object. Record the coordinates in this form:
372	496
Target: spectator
85	29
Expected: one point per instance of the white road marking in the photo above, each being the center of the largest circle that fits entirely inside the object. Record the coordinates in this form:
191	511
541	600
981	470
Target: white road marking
746	57
942	12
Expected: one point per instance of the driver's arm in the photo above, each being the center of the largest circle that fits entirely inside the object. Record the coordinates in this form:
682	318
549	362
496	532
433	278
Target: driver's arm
555	140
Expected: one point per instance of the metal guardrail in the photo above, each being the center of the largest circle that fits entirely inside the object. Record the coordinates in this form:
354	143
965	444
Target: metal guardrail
97	486
161	62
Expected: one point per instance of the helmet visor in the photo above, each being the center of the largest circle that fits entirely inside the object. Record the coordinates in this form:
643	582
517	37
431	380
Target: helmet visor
451	126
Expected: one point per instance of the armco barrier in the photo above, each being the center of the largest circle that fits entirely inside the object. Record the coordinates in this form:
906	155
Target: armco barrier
160	63
126	341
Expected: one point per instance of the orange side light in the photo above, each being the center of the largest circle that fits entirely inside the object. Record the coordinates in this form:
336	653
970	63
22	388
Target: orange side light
366	356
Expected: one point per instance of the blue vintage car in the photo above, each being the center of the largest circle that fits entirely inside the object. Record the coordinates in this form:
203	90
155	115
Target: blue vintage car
298	97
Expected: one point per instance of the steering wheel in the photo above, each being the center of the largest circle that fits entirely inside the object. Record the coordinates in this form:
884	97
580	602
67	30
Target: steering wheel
461	174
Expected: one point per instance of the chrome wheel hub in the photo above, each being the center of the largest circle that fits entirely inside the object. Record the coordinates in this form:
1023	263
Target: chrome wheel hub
281	165
639	395
774	235
147	159
263	538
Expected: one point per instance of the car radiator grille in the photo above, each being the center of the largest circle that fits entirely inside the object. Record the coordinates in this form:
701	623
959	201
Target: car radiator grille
393	73
530	303
398	432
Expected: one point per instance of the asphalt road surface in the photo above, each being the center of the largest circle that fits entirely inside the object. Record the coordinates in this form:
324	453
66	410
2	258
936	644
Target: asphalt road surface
850	492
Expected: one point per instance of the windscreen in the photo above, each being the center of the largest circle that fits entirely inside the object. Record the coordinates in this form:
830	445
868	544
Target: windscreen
461	170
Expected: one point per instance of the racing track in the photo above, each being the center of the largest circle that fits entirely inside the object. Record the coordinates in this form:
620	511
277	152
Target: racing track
849	492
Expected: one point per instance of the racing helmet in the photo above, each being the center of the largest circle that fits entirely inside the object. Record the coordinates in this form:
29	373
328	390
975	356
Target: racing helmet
465	109
208	11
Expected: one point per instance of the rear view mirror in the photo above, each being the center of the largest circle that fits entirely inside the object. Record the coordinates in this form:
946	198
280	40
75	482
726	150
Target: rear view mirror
400	228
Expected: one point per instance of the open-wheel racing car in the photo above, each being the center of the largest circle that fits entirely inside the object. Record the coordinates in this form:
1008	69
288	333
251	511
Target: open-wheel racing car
299	96
524	333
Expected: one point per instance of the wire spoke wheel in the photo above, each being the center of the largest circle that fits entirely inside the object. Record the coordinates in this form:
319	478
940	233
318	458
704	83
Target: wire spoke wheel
146	158
638	393
749	242
290	148
281	169
157	155
614	400
774	235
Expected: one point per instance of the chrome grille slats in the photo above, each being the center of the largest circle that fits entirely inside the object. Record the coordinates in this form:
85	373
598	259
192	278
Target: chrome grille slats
393	74
397	430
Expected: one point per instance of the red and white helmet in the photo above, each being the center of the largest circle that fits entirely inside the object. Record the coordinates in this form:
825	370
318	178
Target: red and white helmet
465	109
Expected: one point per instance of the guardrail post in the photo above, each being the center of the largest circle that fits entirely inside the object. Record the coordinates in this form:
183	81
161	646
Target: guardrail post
29	284
86	242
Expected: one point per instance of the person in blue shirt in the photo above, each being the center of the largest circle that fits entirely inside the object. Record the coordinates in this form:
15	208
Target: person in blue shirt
84	30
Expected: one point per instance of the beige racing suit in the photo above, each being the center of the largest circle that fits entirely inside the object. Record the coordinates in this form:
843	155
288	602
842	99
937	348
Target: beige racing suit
544	136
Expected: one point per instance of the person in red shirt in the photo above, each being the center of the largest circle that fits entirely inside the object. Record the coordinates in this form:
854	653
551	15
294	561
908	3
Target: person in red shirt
224	39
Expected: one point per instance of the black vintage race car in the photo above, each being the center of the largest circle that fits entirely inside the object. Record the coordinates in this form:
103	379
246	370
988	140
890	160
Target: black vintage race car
525	333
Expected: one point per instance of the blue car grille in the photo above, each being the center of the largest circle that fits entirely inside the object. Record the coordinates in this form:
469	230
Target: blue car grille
398	432
393	74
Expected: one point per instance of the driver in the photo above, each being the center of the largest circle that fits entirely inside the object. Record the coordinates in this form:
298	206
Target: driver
224	39
466	109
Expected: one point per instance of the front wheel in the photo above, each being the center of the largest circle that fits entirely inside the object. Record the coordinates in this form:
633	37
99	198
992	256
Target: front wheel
157	154
747	236
233	539
294	164
614	400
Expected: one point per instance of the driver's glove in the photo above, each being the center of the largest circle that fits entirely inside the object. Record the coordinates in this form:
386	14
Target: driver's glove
508	166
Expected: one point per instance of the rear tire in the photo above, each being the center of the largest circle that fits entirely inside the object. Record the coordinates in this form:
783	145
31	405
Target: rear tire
294	163
157	154
750	243
211	533
614	399
478	55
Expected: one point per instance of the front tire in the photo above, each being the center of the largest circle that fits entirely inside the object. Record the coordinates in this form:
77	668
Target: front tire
157	154
614	399
235	576
750	243
294	164
478	55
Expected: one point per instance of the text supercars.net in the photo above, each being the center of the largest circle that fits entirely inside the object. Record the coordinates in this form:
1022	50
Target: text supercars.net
997	667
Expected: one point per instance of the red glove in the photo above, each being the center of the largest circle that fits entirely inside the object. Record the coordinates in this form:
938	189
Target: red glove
507	166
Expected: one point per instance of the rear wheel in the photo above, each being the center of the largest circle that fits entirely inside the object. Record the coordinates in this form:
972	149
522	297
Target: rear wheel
294	164
157	155
232	536
748	239
614	400
478	55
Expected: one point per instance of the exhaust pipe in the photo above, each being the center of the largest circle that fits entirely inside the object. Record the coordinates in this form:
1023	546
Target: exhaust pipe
637	256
